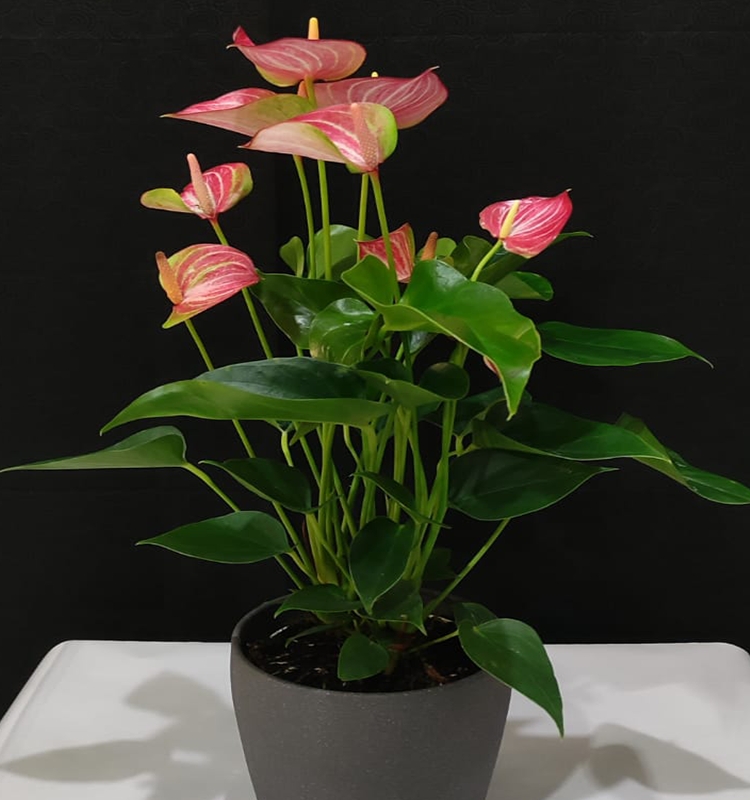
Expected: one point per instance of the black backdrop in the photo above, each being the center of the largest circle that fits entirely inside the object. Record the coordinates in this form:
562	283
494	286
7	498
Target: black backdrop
640	107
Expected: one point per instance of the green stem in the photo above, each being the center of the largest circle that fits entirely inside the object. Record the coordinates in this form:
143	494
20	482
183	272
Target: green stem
361	233
326	220
218	231
433	604
483	263
209	364
308	213
260	333
380	206
448	636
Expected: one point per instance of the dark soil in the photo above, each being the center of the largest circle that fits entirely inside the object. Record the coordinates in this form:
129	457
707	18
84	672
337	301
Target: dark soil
312	660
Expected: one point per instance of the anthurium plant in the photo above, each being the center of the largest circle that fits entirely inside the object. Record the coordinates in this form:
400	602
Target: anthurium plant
352	510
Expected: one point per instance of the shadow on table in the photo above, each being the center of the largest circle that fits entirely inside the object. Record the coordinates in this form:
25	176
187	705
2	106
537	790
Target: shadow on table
635	764
197	756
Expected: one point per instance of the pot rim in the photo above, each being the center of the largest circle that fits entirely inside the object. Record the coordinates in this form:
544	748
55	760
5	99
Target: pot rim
480	674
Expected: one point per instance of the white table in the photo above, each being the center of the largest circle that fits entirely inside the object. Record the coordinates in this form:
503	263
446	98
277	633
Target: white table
153	721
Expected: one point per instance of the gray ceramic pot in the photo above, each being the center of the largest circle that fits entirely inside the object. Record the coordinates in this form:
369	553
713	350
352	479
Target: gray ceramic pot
303	743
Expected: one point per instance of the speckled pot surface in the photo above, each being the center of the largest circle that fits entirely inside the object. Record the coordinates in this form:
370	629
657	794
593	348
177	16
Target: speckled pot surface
303	743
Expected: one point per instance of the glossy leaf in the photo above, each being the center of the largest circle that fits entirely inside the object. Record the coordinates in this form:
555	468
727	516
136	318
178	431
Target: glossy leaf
245	111
402	247
361	658
157	447
526	286
286	62
343	248
360	135
202	276
476	405
338	332
439	299
711	487
292	389
496	484
410	99
293	255
373	281
608	347
439	382
398	492
242	537
512	652
271	480
294	302
378	557
546	430
323	598
401	603
536	224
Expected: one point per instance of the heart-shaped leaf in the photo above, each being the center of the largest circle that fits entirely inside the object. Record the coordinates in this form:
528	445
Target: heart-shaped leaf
439	299
546	430
526	286
292	389
608	347
705	484
242	537
495	484
338	332
272	480
361	658
323	598
401	603
439	382
157	447
512	652
378	557
293	302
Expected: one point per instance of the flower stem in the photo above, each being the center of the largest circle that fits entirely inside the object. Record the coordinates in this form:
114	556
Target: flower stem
483	263
433	604
267	352
363	192
218	231
326	220
378	193
308	213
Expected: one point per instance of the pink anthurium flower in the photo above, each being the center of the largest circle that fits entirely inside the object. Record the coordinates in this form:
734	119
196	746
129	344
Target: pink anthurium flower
245	110
402	245
527	226
410	99
286	62
209	194
360	135
202	276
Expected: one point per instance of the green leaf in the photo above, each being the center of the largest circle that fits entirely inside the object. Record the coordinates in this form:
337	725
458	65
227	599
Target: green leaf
373	281
324	598
608	347
401	603
293	254
272	480
344	250
546	430
361	658
399	493
158	447
242	537
513	653
293	302
292	389
338	332
711	487
378	557
468	253
441	300
526	286
438	567
477	405
496	484
439	382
